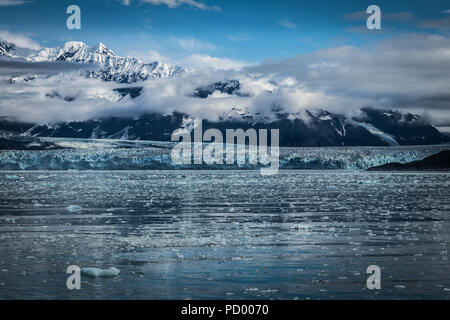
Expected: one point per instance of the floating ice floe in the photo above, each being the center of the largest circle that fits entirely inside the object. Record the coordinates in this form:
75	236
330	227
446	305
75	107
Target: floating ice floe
74	208
11	177
96	272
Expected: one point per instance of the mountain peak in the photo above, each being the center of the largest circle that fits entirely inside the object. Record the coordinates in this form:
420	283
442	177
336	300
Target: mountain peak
101	48
74	44
6	46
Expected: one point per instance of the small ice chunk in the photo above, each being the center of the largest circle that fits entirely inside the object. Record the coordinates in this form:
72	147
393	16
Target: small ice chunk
96	272
11	177
73	208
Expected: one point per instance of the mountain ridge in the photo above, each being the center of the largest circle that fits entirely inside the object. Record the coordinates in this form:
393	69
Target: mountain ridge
106	64
322	129
374	127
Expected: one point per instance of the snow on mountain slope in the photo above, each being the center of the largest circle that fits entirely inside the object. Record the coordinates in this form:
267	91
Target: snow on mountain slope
384	136
9	49
108	66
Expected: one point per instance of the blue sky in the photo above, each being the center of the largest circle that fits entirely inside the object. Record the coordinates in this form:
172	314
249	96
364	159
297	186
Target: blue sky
250	31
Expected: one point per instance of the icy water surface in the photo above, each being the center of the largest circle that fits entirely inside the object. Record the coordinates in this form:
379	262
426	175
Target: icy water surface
225	234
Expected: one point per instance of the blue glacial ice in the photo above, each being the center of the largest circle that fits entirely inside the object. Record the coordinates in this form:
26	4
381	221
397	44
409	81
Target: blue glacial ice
74	208
141	155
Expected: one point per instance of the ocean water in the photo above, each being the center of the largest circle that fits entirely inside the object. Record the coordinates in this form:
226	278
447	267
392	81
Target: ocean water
225	234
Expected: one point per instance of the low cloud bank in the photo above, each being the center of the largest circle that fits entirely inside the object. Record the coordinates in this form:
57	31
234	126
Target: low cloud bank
409	72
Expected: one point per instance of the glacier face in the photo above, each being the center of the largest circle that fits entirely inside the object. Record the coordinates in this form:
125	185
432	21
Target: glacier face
142	155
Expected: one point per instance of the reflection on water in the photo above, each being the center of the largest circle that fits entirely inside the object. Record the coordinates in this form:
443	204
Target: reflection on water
225	234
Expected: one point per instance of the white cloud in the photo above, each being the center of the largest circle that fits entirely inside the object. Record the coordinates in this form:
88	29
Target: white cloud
9	3
20	39
202	61
192	44
287	24
28	101
150	56
195	61
154	55
178	3
409	72
446	11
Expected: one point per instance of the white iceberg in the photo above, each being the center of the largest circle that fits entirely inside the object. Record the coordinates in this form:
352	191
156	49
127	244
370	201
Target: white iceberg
96	272
74	208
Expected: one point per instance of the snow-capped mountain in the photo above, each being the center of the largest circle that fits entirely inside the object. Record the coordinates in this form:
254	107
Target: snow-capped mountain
106	65
321	128
9	49
228	87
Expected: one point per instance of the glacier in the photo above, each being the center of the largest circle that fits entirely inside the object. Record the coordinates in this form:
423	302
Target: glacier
94	154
